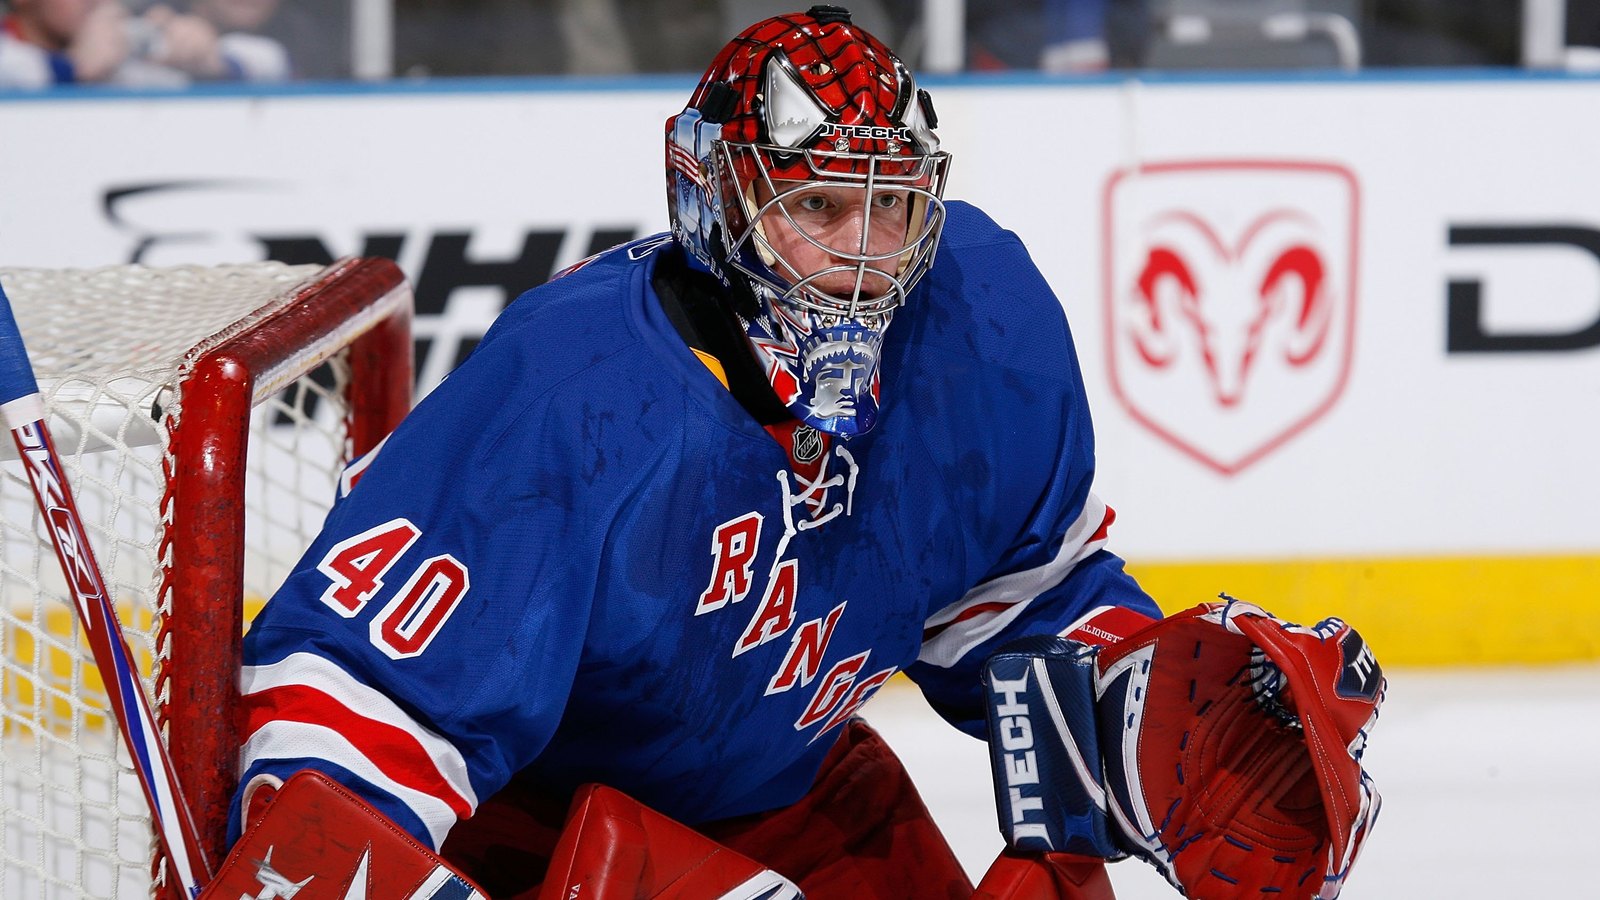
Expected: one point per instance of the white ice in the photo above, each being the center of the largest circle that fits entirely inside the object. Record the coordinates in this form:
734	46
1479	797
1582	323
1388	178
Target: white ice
1490	781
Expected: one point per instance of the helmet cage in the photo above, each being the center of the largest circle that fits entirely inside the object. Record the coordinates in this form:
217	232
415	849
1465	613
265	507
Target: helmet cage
784	172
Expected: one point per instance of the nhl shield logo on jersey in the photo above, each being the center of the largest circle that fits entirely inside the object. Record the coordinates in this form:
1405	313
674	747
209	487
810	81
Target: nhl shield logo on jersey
1230	294
807	444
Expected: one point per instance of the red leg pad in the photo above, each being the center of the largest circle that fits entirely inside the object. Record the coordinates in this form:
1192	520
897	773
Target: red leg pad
861	833
615	848
1045	876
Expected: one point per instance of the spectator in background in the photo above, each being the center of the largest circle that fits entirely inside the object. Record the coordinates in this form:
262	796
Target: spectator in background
1074	36
55	42
49	42
1093	35
313	35
228	43
1051	35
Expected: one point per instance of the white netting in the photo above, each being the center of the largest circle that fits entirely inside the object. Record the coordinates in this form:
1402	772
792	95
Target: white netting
111	348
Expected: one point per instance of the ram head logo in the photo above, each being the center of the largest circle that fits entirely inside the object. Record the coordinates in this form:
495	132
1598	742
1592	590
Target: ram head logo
1226	306
1230	301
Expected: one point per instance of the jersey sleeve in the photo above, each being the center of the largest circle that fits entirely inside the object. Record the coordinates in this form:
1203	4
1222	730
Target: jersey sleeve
1046	588
423	648
1043	531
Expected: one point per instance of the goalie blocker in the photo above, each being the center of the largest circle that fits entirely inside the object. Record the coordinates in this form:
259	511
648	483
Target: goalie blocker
314	840
1222	745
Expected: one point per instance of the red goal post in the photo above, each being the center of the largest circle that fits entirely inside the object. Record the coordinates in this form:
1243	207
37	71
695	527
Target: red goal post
204	415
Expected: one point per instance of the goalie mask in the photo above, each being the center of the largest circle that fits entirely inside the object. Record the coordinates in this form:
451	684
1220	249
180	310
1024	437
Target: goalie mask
805	176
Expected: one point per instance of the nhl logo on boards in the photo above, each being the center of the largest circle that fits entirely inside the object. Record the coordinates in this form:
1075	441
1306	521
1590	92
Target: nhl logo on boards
1229	289
807	443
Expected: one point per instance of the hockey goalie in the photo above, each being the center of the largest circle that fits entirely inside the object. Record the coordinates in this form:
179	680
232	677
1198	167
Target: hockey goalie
596	619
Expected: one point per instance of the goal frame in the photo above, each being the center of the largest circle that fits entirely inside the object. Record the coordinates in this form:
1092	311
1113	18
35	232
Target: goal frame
203	568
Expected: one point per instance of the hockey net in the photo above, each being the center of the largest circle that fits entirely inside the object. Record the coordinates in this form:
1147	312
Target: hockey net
203	415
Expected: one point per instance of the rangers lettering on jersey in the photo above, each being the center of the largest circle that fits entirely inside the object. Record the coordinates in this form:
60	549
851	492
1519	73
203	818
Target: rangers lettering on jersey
862	692
805	652
733	546
776	612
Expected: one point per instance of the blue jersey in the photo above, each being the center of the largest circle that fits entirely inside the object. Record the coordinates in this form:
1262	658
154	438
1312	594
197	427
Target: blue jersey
580	556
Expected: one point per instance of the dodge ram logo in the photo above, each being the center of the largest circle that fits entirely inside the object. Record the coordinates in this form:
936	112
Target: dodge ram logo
1230	300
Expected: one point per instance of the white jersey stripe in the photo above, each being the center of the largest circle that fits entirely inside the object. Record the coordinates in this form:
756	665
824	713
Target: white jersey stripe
308	670
988	608
358	467
295	740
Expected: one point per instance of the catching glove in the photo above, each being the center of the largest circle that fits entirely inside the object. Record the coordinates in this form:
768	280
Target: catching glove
1222	745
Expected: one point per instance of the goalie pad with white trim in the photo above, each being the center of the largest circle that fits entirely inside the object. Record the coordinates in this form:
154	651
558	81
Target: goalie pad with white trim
1045	876
615	848
317	841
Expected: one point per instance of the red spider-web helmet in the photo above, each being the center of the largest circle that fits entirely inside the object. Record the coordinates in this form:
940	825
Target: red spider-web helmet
795	101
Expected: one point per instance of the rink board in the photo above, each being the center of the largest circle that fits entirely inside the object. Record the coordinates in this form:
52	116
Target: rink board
1410	444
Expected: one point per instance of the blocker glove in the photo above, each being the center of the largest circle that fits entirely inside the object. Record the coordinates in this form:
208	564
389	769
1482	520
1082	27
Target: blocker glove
1221	745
